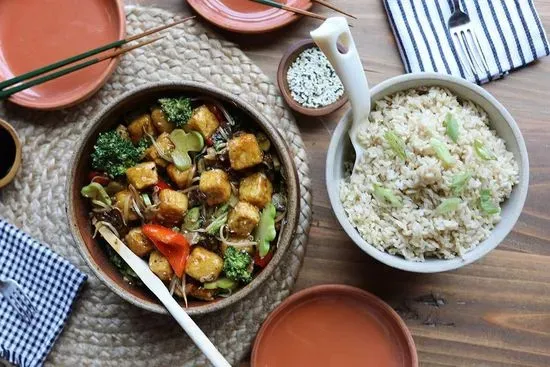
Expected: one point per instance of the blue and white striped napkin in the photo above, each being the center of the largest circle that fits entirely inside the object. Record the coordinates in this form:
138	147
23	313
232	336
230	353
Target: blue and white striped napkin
510	32
52	284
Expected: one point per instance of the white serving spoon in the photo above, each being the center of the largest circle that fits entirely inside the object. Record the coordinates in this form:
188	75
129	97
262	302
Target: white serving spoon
158	288
350	71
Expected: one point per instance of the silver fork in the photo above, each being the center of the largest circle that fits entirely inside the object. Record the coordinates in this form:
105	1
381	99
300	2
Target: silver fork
14	295
467	44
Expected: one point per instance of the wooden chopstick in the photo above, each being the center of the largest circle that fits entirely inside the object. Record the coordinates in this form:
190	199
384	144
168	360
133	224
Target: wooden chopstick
95	51
8	92
275	4
333	7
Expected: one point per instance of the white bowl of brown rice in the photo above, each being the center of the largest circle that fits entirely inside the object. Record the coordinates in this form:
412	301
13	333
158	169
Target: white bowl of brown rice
443	179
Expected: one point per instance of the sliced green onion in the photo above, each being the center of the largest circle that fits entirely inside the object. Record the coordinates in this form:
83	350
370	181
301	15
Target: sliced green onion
386	196
113	187
95	191
442	152
192	221
146	199
233	201
222	283
185	143
482	152
459	181
486	203
182	161
452	127
448	205
263	141
396	143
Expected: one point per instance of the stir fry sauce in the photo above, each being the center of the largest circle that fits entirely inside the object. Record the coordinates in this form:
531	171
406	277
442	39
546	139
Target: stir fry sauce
195	189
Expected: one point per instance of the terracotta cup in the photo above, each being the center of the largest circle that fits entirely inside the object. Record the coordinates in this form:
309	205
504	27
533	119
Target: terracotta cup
16	164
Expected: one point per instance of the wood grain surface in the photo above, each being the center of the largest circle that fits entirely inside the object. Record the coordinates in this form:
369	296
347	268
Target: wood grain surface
495	312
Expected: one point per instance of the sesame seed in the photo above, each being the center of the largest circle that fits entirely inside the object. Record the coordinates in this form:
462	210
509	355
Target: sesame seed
312	80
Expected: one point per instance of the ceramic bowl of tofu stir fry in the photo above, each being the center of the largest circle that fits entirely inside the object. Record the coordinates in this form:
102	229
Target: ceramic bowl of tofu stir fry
195	182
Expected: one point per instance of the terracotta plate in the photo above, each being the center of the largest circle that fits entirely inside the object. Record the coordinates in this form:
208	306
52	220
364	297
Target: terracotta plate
245	16
334	325
35	33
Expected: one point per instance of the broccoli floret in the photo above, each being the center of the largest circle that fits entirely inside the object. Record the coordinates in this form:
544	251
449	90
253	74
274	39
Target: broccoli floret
114	154
237	265
177	110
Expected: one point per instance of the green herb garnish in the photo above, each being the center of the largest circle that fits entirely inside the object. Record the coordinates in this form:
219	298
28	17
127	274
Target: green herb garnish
177	110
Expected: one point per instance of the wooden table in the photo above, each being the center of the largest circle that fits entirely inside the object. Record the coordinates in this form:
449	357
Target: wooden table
495	312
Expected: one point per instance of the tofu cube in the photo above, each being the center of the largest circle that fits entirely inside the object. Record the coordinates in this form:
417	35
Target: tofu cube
215	185
203	121
139	126
123	201
244	152
256	189
160	122
203	265
166	145
173	206
138	242
194	290
142	175
160	266
243	218
182	179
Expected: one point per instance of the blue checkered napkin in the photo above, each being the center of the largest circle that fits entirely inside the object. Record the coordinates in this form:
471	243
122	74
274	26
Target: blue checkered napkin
51	282
510	33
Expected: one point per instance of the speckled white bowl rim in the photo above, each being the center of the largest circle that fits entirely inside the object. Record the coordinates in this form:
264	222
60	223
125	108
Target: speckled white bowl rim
500	120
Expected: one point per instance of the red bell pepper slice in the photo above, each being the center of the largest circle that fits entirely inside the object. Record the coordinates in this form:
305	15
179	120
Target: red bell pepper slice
161	185
173	245
263	261
99	177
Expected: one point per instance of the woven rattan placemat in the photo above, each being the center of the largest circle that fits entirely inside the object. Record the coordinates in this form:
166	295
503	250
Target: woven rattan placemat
103	329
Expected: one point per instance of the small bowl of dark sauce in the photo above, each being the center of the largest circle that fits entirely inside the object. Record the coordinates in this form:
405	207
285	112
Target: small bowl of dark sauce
10	153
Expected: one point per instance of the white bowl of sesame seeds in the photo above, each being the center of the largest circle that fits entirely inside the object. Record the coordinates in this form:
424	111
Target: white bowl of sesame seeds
308	82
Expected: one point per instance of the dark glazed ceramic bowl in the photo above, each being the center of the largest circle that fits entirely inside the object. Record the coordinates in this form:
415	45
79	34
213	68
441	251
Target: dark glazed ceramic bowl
288	58
78	207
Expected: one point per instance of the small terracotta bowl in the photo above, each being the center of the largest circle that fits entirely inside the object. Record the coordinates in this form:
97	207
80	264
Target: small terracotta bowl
78	207
5	180
288	58
307	327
